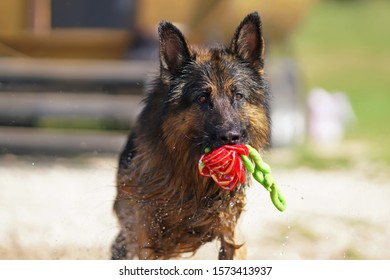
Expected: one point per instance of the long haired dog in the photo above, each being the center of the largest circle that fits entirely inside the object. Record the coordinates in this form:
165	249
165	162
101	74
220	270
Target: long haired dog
203	97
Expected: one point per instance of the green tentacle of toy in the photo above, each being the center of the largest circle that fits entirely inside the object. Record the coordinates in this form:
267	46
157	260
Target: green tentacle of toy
261	171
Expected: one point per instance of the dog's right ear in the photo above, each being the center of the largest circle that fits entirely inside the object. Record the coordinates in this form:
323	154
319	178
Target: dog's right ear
173	48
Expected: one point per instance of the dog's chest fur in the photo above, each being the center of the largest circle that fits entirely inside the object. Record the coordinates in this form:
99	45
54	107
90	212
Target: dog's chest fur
187	210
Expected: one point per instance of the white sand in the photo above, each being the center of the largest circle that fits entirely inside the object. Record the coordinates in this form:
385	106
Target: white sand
53	209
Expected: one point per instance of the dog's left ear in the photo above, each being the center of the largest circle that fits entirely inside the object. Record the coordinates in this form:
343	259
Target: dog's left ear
248	42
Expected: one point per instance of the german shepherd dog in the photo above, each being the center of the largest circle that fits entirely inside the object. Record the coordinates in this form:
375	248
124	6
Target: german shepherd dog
202	97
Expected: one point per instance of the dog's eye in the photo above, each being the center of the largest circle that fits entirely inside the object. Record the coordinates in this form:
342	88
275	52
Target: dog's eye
238	97
202	99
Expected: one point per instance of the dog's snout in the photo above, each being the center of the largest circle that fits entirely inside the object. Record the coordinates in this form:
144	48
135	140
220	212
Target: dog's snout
230	137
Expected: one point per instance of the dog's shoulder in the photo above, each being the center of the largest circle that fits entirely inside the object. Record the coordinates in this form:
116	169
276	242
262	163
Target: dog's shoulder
128	152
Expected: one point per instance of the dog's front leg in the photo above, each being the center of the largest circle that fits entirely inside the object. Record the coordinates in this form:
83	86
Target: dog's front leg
146	243
229	250
226	252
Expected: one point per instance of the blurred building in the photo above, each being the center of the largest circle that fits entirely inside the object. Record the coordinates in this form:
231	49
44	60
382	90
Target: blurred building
110	46
106	28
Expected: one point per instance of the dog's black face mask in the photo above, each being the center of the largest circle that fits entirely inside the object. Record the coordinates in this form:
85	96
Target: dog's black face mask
219	93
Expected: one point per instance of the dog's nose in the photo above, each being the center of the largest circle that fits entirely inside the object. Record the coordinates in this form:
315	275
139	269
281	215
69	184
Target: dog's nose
230	137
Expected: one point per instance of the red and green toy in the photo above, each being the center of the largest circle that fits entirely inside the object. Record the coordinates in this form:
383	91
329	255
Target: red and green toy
227	164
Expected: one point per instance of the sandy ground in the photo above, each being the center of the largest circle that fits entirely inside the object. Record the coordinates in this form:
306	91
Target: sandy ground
61	209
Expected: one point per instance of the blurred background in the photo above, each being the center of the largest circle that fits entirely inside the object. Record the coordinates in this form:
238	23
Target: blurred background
72	75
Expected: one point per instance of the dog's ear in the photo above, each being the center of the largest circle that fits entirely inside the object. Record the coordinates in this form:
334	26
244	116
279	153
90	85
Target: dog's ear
248	42
173	48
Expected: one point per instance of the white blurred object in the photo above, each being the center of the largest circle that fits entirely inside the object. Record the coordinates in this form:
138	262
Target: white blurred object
288	127
329	114
287	114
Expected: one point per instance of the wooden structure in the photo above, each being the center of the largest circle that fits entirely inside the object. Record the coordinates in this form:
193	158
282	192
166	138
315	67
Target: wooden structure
40	52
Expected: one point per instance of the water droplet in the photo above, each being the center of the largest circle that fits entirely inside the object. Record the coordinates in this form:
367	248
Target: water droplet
32	163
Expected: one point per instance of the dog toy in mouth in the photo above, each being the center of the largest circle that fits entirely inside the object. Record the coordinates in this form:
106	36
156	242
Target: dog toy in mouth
227	164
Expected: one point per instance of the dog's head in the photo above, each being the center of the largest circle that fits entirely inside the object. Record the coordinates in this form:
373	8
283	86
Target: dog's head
214	96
